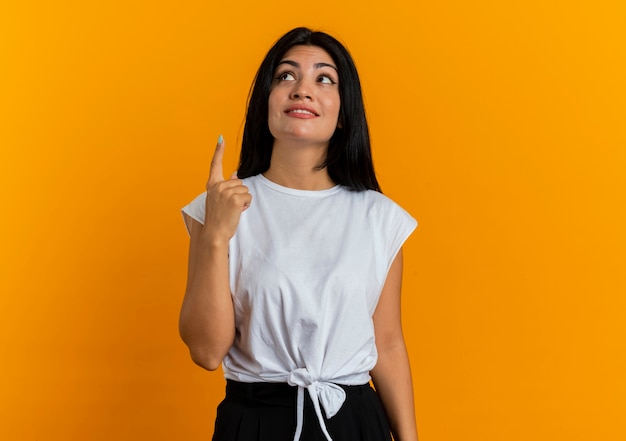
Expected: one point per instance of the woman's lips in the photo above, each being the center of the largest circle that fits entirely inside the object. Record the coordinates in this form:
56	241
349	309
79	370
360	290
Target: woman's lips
301	112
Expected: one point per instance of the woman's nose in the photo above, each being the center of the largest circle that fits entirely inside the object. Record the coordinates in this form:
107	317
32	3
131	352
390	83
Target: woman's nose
300	91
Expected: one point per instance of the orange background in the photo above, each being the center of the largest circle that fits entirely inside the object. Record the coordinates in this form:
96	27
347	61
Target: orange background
499	125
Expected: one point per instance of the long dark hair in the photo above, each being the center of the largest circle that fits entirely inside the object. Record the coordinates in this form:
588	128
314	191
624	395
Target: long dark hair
349	157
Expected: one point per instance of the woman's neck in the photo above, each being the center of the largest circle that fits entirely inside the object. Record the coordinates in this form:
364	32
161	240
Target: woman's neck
298	167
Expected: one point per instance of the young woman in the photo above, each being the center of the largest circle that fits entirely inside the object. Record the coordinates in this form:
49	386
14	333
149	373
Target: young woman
295	263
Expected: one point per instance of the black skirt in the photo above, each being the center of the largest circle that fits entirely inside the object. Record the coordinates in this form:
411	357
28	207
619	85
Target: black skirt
267	412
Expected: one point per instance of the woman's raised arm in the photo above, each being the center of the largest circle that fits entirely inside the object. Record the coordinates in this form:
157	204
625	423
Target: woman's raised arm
207	318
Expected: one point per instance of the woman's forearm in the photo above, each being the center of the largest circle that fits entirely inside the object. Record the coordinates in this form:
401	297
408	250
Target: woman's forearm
207	318
392	380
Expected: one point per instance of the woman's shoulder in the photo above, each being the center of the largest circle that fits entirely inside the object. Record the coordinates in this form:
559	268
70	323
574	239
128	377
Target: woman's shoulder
385	208
376	198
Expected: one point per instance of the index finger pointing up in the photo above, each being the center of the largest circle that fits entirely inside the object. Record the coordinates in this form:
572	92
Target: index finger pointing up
215	173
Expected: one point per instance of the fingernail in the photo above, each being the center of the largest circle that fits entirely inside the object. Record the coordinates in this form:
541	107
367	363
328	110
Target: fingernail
220	139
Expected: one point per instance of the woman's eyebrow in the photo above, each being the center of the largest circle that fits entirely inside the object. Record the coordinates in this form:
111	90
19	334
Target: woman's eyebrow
297	65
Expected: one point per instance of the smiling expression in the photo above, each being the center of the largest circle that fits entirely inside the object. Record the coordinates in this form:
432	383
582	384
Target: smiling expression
304	98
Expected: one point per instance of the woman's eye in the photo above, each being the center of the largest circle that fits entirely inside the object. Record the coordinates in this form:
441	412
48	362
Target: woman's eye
286	76
325	80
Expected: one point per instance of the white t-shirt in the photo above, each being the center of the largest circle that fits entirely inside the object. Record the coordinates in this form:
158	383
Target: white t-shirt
306	271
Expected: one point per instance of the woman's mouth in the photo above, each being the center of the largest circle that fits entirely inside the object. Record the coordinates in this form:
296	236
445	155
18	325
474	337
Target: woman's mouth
301	112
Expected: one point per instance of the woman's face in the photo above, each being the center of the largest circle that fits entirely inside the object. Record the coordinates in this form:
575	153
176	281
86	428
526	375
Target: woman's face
304	97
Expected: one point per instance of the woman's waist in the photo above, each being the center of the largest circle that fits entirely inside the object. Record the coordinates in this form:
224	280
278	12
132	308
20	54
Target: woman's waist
277	394
357	373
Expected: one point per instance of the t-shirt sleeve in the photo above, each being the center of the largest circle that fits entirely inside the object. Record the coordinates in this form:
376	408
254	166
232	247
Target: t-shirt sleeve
400	225
396	227
194	210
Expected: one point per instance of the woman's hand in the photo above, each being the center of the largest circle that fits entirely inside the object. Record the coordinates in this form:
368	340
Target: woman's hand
225	201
